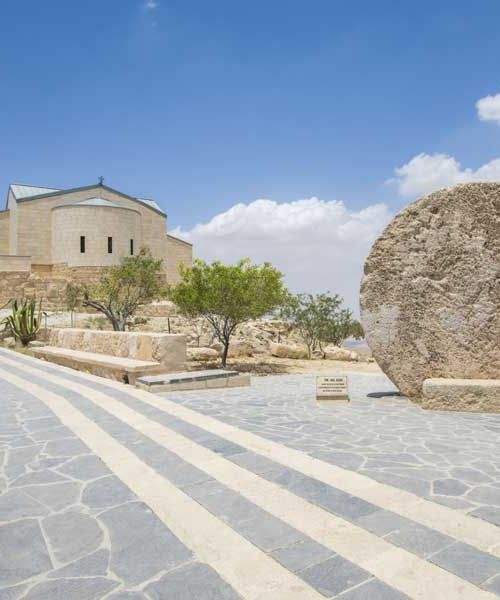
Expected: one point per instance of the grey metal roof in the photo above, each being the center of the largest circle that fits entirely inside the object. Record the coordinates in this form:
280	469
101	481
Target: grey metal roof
151	203
25	191
96	202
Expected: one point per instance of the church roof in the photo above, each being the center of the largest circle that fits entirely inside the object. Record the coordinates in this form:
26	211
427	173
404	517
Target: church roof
96	202
23	192
151	203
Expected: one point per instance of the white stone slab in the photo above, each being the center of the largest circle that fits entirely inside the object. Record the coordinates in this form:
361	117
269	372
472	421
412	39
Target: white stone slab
186	376
332	387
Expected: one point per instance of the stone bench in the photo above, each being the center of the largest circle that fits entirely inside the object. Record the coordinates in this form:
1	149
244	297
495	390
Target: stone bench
192	380
474	395
118	368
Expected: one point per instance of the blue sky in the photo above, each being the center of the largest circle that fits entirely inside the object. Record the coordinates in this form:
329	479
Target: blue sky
204	105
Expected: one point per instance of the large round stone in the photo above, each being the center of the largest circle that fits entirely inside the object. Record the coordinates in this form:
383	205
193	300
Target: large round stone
430	295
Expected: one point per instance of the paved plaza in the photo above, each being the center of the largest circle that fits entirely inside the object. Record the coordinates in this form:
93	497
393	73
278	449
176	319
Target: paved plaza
257	493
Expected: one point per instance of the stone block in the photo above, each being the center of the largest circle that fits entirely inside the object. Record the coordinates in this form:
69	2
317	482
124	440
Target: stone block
23	552
72	587
36	344
145	536
194	580
167	349
472	395
337	353
297	557
194	380
72	535
202	354
467	562
287	350
334	575
238	381
9	342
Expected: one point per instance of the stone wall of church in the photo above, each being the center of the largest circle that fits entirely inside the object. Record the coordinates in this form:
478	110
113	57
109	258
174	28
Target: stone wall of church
178	252
15	264
95	224
34	223
4	232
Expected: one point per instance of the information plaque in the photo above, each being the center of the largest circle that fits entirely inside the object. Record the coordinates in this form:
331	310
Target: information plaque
332	387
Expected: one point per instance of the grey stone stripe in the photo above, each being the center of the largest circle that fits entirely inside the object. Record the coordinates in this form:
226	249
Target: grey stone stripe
69	528
422	541
322	569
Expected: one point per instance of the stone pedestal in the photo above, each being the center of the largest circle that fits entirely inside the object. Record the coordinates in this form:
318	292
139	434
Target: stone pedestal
471	395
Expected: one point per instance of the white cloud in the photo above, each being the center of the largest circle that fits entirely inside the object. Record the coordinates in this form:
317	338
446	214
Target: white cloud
488	108
151	4
426	173
318	245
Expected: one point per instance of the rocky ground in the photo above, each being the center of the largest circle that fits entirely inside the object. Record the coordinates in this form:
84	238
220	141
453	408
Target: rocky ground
271	365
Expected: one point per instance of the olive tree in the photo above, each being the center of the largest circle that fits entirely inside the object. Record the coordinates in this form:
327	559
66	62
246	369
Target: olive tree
228	295
320	320
73	298
123	288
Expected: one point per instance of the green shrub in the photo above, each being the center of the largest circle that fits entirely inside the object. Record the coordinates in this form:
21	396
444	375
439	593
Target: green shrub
25	320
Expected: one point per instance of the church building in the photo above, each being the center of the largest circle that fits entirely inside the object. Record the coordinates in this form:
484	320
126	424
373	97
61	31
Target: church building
80	230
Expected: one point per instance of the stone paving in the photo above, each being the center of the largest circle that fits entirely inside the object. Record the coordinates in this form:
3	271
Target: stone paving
70	527
450	458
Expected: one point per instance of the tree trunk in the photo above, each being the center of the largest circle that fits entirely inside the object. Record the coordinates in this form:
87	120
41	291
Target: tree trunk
224	353
118	324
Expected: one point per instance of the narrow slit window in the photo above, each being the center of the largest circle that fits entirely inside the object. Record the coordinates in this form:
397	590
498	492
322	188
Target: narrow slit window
82	244
110	245
131	247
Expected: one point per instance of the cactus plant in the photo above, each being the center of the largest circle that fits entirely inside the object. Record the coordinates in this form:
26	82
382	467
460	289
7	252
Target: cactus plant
25	320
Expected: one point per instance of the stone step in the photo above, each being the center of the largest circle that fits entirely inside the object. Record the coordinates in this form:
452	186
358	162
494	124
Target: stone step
192	380
113	367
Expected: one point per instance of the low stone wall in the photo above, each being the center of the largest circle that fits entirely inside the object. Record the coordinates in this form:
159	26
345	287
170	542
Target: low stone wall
24	285
42	270
165	348
44	283
77	274
11	284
